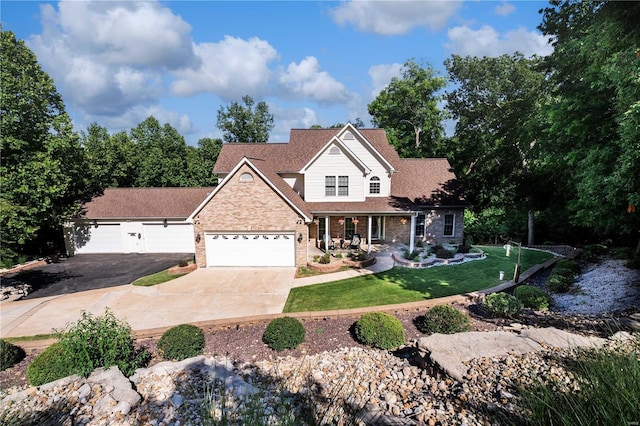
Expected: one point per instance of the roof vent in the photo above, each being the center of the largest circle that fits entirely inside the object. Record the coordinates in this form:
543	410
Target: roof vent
334	150
348	136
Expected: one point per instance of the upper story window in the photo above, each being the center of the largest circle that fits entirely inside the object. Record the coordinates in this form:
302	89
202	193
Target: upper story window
343	185
334	150
348	136
374	185
330	186
449	225
246	177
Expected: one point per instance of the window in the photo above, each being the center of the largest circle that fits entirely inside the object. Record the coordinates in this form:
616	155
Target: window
343	185
449	225
349	228
420	220
330	186
334	150
246	177
374	185
322	229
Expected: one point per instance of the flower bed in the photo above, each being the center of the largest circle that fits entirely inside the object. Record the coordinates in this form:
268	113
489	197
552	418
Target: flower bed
432	260
360	263
334	265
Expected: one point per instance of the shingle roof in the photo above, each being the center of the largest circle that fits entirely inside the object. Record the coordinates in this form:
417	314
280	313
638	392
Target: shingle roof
425	181
116	203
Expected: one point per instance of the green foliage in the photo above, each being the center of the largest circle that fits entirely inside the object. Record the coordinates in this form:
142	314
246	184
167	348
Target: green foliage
444	319
325	259
559	283
568	264
10	354
596	249
464	249
608	395
411	255
51	364
502	305
181	342
284	333
443	253
43	168
380	330
532	297
102	341
244	123
408	110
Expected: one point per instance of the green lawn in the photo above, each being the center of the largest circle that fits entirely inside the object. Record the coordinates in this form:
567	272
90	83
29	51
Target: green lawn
401	285
157	278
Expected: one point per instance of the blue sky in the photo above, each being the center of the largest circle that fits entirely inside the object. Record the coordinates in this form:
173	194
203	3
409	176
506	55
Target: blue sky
313	62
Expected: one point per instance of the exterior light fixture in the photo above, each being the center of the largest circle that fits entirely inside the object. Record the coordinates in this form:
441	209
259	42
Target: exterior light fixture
198	237
300	237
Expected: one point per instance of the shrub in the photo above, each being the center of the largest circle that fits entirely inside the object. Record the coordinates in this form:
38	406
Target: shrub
463	249
444	254
635	262
183	263
569	264
419	243
532	297
284	333
104	341
411	255
10	354
559	283
51	364
181	342
444	319
380	330
502	305
325	259
596	249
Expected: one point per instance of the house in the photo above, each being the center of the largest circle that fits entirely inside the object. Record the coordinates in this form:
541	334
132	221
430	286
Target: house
276	200
135	220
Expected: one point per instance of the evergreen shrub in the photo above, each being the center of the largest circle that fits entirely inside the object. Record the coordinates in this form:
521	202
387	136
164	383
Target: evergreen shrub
502	305
559	283
10	354
532	297
380	330
51	364
444	319
284	333
181	342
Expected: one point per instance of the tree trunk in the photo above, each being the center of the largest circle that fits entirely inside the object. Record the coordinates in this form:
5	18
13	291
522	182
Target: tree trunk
530	226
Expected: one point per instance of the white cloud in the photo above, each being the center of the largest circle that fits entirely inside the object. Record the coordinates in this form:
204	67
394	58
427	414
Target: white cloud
290	118
305	80
504	9
488	42
137	114
395	17
230	69
381	76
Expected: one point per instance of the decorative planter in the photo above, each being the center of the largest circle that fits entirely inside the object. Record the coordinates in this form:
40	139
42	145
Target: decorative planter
181	270
325	267
360	263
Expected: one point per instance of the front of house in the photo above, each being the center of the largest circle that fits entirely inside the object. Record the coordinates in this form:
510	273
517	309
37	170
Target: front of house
274	201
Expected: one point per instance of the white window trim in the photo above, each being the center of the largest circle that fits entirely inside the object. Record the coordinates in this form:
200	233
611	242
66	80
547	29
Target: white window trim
453	225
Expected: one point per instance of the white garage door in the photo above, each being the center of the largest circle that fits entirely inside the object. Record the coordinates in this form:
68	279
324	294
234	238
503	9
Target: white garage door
106	238
250	249
172	238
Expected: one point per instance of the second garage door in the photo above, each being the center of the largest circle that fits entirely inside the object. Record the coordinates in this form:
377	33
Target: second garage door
250	249
171	238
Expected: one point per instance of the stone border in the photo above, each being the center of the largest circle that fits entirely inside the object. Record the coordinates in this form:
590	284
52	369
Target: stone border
432	260
181	270
332	266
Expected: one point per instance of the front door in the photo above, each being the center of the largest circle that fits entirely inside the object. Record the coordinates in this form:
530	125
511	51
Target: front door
376	227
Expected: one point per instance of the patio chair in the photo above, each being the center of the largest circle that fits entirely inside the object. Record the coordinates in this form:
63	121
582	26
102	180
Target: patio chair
355	241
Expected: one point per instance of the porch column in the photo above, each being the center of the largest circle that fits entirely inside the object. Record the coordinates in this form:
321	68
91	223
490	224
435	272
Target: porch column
412	233
369	219
326	233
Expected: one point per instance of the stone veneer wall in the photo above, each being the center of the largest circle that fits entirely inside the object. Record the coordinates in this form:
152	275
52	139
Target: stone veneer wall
435	227
395	231
245	207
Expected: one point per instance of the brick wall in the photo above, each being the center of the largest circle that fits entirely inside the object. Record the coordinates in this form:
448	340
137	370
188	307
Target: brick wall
396	231
248	206
435	227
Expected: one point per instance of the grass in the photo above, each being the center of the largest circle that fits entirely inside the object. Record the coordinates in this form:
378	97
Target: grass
31	338
157	278
303	271
402	285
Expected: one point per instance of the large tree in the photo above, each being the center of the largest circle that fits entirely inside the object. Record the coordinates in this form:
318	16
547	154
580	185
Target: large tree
245	123
42	171
201	160
496	144
408	110
595	112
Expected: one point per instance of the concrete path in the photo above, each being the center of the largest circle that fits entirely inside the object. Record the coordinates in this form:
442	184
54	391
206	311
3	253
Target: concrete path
450	351
205	294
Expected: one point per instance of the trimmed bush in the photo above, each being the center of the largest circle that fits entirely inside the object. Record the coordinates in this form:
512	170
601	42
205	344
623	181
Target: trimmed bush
502	305
10	354
380	330
284	333
568	264
103	341
181	342
49	365
443	253
558	283
444	319
463	249
532	297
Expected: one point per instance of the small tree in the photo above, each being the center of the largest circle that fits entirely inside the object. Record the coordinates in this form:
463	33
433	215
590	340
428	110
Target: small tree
244	123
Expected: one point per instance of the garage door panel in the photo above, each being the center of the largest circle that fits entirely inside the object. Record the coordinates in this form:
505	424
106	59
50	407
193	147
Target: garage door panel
171	238
250	249
105	238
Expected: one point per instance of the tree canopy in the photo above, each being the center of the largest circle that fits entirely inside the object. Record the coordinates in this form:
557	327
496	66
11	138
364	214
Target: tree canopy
245	123
408	110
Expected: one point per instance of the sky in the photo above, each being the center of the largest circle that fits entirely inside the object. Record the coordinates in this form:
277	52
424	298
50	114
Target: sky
313	62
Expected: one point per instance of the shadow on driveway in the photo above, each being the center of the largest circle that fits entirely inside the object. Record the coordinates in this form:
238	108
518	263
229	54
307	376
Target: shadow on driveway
92	271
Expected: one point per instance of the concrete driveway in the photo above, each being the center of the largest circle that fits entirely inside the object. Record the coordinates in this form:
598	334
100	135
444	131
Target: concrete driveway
93	271
203	295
